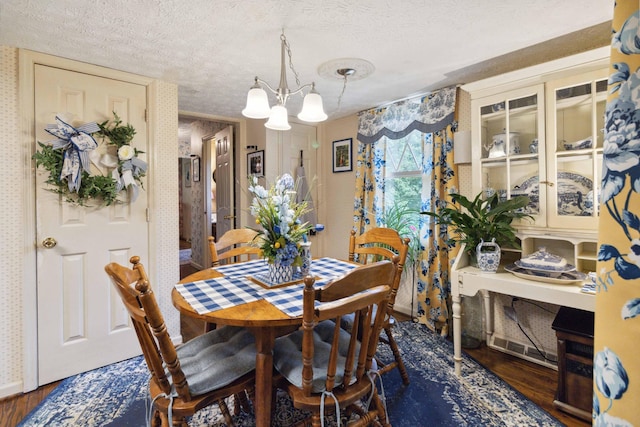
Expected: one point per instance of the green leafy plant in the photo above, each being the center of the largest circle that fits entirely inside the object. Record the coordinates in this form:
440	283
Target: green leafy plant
471	221
404	220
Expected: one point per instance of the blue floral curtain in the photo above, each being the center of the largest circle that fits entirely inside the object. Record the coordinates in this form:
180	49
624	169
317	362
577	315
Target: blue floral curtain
433	115
617	321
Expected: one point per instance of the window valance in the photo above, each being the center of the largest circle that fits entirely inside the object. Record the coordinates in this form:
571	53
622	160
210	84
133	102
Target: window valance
427	113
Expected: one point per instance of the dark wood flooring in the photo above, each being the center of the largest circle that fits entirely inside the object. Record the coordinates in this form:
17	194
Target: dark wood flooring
534	381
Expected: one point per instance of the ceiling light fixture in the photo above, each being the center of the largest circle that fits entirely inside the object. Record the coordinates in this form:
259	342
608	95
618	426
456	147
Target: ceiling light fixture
258	102
350	69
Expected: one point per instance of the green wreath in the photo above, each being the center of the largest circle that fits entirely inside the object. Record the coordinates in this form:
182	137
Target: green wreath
127	170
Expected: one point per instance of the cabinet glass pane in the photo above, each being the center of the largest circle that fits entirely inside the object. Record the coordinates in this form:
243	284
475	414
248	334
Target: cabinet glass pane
580	116
575	187
494	176
526	182
509	128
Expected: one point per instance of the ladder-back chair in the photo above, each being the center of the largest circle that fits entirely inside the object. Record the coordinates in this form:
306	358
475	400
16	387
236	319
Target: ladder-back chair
234	246
197	374
373	245
326	368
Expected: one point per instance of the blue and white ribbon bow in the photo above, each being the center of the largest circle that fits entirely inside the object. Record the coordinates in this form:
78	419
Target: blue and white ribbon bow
77	143
130	169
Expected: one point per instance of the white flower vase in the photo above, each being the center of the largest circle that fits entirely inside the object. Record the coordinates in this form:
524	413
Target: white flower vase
279	273
488	256
305	254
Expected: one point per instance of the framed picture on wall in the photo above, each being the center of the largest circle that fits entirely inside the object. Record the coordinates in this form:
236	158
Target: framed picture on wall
255	163
186	172
342	155
196	169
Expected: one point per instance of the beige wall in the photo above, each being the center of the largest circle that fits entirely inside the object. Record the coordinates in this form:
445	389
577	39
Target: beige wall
337	189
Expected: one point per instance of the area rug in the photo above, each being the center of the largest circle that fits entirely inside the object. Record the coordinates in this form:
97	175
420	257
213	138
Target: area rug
116	395
185	256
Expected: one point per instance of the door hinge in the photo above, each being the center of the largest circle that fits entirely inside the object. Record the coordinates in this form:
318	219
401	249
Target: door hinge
148	213
146	117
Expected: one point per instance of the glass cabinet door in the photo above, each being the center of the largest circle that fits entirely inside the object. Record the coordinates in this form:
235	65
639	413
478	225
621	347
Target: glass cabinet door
510	146
575	123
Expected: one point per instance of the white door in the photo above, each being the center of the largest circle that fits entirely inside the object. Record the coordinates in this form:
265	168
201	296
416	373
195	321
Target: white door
224	181
82	324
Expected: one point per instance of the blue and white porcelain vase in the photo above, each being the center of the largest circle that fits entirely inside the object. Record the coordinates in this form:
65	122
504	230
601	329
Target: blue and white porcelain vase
305	254
488	256
279	273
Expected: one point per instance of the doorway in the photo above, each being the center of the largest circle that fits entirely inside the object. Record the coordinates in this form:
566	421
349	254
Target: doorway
198	206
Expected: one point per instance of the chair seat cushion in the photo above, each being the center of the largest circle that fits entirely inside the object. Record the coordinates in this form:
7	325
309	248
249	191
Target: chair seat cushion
287	355
217	358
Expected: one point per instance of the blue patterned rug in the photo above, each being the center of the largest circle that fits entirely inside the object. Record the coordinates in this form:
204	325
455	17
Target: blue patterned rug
116	396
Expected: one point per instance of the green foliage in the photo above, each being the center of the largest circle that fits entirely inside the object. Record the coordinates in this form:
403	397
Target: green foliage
480	219
118	135
404	220
101	188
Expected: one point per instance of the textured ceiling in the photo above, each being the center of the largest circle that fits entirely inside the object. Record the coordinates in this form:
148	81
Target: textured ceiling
213	49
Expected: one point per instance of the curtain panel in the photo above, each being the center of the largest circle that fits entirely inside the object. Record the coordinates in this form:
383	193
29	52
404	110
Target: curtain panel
434	116
616	363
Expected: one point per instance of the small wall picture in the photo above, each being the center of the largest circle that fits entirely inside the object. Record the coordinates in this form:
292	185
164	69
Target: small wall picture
342	155
196	169
255	163
186	172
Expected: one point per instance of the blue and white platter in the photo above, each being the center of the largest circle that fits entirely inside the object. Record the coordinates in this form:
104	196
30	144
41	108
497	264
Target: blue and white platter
573	193
564	278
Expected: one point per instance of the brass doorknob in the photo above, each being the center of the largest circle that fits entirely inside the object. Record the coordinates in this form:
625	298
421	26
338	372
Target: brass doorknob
49	242
229	216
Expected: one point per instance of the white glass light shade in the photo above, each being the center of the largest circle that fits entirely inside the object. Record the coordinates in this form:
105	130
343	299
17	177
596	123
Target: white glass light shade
278	120
312	109
257	104
462	147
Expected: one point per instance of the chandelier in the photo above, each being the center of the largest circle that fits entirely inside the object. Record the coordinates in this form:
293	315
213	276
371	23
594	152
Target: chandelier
258	103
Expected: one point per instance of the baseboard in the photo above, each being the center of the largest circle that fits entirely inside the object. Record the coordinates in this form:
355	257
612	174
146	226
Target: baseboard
11	389
523	351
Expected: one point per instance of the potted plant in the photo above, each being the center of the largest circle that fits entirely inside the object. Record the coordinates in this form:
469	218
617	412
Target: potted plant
477	220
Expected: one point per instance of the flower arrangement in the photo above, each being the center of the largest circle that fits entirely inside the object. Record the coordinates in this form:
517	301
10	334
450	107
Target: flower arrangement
277	211
69	159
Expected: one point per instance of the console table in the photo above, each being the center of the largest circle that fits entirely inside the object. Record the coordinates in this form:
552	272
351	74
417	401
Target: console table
467	280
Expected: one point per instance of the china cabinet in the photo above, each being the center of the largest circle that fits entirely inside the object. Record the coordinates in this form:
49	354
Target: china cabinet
538	132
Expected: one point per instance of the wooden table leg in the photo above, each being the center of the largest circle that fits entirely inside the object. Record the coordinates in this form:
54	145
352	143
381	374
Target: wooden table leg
265	338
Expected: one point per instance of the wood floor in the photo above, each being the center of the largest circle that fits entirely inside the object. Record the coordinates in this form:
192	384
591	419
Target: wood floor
534	381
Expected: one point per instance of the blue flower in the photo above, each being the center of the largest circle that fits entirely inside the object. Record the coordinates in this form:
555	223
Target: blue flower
610	376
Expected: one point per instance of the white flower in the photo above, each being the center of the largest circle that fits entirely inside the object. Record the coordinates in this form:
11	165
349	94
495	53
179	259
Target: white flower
126	152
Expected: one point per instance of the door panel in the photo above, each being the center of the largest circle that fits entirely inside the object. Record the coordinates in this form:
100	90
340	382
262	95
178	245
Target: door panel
82	324
224	181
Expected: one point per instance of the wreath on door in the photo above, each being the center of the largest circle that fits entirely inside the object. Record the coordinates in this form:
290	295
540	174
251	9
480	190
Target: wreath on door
83	170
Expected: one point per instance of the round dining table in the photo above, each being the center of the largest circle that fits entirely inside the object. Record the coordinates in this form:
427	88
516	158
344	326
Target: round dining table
265	321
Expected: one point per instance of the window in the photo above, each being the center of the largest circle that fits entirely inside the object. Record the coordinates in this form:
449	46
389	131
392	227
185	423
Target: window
403	186
403	172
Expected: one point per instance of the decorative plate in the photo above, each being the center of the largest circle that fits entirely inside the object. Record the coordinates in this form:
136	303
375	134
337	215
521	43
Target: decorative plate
565	278
572	188
578	145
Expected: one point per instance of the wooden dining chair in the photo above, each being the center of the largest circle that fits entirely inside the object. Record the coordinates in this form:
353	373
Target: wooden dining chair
197	374
324	367
373	245
234	246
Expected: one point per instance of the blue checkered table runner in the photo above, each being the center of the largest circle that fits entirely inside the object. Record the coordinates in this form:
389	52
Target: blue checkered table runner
234	289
